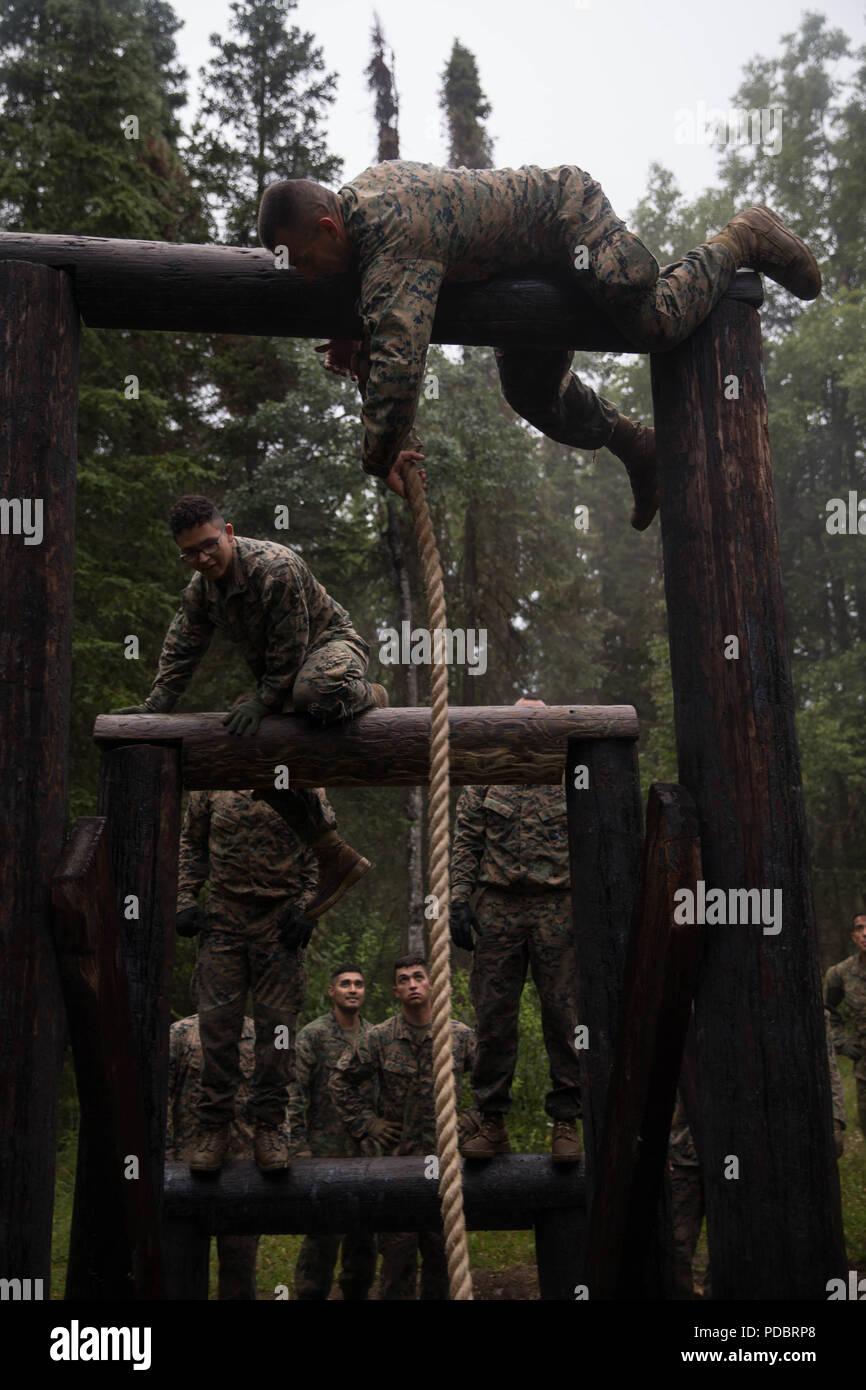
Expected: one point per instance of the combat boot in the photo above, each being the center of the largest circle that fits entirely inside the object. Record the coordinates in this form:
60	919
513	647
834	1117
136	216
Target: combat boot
759	239
566	1146
208	1154
635	446
271	1149
340	867
489	1139
380	695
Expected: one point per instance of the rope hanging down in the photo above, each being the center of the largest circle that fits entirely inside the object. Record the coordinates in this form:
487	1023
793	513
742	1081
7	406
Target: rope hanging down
450	1176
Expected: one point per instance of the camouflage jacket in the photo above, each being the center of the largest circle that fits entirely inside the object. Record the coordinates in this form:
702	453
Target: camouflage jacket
315	1121
510	837
413	226
253	859
397	1060
184	1090
845	984
270	605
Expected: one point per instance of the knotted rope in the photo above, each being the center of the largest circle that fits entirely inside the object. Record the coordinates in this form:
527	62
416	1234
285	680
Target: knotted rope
450	1176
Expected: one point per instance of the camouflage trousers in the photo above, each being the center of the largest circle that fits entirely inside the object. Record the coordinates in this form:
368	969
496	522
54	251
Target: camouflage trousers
517	930
398	1278
237	1267
653	309
314	1271
228	965
687	1215
330	685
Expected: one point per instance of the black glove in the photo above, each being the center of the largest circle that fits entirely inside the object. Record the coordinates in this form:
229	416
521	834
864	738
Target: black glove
296	928
190	921
463	923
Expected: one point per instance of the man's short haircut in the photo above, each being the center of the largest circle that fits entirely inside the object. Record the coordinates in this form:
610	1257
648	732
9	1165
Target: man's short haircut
413	958
346	970
193	510
293	205
855	919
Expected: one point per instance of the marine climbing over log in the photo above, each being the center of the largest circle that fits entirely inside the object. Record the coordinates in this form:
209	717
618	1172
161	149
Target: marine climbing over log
409	228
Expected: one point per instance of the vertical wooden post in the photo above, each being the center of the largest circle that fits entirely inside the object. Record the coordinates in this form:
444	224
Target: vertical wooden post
772	1186
38	404
186	1250
139	794
559	1239
604	827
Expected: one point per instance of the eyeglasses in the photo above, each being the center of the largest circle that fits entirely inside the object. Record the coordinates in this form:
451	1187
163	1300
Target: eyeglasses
189	557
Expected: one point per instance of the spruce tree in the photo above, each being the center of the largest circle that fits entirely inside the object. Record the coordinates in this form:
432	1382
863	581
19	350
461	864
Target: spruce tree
466	108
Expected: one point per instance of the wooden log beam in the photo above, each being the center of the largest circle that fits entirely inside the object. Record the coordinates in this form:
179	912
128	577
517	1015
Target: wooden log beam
139	796
770	1173
230	289
318	1195
38	405
627	1253
385	748
114	1249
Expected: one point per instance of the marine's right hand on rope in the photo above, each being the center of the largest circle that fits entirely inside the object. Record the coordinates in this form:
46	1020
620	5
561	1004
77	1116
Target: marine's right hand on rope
464	924
190	921
385	1132
395	479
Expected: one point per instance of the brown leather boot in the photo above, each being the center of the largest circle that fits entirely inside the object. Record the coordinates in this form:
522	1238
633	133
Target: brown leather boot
759	239
381	696
340	867
490	1138
208	1154
566	1146
271	1149
635	445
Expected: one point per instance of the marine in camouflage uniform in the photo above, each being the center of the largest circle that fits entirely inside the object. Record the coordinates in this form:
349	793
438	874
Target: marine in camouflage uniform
410	228
317	1125
395	1059
511	842
845	990
257	867
237	1254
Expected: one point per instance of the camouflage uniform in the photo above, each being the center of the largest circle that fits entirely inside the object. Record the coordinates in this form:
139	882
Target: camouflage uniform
845	983
512	842
237	1254
317	1126
396	1058
414	227
257	867
298	642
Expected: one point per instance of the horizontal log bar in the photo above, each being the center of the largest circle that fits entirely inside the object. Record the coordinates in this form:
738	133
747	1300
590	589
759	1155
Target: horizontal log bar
233	289
318	1195
380	748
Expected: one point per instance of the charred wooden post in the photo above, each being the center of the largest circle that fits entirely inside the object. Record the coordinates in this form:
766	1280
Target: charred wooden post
493	744
139	795
38	405
186	1252
230	289
114	1241
772	1186
605	840
628	1246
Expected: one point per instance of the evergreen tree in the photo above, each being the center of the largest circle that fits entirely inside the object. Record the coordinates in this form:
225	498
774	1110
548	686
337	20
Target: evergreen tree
466	108
381	82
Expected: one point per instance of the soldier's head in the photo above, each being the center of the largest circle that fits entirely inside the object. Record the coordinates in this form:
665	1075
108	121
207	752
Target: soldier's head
204	539
411	981
858	931
347	988
529	698
306	218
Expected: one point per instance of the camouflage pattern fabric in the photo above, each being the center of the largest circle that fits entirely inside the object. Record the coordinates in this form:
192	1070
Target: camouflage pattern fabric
414	227
510	837
845	988
399	1274
314	1271
257	868
517	930
237	1254
687	1217
391	1075
836	1092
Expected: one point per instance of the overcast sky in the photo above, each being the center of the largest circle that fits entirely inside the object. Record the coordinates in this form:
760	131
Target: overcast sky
609	85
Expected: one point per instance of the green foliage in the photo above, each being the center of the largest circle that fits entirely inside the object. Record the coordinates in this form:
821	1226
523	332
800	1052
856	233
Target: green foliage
465	108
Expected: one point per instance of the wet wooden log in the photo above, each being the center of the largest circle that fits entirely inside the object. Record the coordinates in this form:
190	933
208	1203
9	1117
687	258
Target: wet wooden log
230	289
114	1249
390	747
770	1173
38	405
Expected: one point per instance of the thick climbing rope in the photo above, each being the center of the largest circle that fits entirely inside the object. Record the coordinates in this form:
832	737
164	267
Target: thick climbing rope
450	1176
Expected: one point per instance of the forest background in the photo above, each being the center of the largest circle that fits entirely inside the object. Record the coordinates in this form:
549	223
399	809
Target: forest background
577	616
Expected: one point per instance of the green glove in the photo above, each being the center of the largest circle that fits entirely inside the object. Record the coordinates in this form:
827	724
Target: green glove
246	718
162	703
